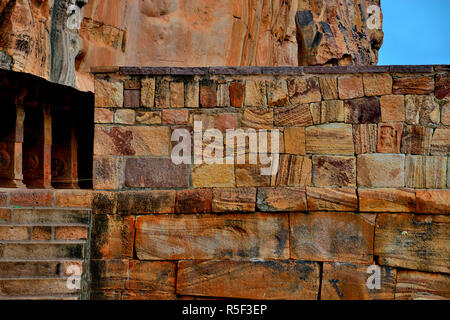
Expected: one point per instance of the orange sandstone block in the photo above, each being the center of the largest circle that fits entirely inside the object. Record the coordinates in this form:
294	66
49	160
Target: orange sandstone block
387	200
207	236
280	279
377	84
234	199
71	233
112	237
417	242
73	198
281	199
350	87
433	201
157	277
332	199
332	236
415	285
347	281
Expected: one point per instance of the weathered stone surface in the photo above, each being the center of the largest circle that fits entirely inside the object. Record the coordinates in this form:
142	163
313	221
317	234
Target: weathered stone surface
392	108
35	287
175	116
331	236
413	85
365	138
148	117
145	202
277	93
350	87
433	201
193	201
330	139
328	87
327	39
440	144
108	94
108	172
10	233
295	141
156	276
423	110
413	242
345	281
387	200
442	87
70	233
177	94
234	200
293	171
376	84
213	175
109	274
304	90
148	92
223	98
124	116
31	198
389	137
132	141
5	214
426	172
208	94
73	198
415	285
332	199
191	94
131	98
162	93
257	118
155	173
364	110
416	140
103	115
331	171
41	233
327	111
281	199
225	121
46	216
237	90
255	93
293	116
112	237
211	236
445	114
249	175
269	280
331	33
380	170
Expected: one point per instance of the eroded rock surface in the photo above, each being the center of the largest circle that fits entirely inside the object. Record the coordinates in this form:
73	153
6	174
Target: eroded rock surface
36	35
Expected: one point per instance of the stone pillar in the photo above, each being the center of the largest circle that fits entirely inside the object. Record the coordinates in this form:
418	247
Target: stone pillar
37	147
11	140
64	150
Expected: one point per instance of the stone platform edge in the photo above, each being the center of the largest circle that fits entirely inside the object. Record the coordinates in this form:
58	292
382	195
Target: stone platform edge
254	70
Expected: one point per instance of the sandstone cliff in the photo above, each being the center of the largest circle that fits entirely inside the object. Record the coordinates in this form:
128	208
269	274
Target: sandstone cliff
42	37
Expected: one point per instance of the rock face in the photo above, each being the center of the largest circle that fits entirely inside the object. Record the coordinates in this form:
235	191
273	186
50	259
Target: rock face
41	36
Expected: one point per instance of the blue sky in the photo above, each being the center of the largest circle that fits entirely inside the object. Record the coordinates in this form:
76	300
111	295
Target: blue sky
415	32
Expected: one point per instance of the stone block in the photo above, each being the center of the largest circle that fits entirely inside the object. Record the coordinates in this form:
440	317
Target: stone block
380	170
336	171
336	139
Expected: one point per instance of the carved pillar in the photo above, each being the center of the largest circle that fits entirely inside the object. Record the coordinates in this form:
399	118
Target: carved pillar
64	150
11	140
37	147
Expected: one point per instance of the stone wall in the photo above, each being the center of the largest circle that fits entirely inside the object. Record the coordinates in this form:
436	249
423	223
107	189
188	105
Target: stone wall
44	243
363	179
